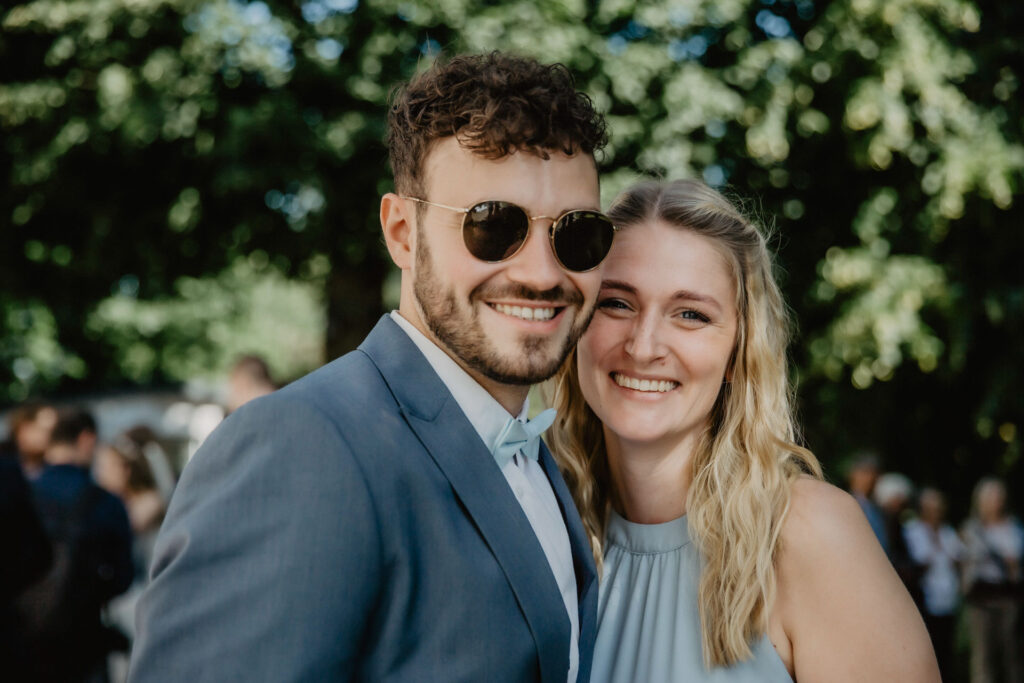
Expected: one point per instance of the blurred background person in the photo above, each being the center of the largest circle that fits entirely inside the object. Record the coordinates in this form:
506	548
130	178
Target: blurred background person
28	428
27	556
91	537
935	546
993	547
862	476
146	441
893	494
249	378
123	469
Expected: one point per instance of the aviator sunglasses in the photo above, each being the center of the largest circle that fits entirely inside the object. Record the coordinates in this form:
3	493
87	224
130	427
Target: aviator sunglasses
495	231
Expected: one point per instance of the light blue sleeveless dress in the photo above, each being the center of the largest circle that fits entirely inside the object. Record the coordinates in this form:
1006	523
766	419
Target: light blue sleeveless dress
648	625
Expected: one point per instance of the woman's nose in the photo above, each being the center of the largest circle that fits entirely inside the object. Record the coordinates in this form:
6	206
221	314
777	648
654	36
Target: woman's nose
644	343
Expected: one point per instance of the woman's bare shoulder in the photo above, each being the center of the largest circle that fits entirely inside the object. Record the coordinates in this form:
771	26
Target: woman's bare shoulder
822	516
841	604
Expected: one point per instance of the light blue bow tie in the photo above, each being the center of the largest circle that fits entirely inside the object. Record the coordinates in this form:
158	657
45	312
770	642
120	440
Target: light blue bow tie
518	436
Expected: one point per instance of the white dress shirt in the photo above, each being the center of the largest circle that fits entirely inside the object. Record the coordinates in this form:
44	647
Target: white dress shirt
525	477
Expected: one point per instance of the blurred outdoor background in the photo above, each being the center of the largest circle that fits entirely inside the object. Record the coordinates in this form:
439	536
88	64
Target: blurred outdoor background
188	181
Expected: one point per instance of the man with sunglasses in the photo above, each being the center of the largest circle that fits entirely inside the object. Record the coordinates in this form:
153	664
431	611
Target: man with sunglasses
394	516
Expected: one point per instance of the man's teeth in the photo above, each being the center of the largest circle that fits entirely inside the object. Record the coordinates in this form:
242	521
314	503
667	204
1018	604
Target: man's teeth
526	313
644	384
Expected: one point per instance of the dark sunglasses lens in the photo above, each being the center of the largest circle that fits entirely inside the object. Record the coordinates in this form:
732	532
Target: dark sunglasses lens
582	239
493	231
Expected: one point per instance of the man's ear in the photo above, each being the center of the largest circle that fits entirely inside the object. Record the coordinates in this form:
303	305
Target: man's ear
399	232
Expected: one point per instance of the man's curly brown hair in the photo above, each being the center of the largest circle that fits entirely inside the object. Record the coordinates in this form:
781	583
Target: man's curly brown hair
496	104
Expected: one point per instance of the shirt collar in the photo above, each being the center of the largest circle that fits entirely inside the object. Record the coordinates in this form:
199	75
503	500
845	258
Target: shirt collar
486	415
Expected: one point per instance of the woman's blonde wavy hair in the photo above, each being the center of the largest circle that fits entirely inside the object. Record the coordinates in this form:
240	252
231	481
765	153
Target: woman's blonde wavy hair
747	459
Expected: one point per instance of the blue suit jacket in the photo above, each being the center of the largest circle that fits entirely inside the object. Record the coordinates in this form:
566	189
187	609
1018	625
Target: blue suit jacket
353	526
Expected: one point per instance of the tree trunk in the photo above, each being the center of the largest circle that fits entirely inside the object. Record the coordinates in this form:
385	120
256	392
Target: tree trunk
354	304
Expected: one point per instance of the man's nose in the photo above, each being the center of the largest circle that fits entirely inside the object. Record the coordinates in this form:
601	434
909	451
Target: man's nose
535	265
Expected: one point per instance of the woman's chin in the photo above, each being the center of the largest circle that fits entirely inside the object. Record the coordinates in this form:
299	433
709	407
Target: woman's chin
637	433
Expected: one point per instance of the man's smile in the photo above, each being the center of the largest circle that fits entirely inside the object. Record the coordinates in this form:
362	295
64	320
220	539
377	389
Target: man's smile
534	313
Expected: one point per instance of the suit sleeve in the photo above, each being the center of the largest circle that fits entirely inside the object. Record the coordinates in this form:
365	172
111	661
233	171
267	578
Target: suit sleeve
268	563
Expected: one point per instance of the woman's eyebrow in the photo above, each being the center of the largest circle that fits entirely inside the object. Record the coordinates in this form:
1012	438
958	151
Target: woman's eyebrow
695	296
618	284
683	294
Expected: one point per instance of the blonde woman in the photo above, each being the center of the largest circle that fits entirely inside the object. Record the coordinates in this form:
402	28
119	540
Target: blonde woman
725	556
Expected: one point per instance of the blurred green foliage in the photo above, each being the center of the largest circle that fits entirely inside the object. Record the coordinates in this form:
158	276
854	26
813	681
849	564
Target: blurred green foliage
149	147
209	322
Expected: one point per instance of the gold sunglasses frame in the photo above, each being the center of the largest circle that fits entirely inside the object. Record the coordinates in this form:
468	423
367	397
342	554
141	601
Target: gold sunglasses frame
551	231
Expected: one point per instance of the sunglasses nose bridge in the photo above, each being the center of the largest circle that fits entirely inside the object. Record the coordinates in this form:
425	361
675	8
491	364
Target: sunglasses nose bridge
534	262
551	229
494	232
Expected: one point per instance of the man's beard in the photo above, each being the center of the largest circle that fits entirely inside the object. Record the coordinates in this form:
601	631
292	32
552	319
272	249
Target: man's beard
458	329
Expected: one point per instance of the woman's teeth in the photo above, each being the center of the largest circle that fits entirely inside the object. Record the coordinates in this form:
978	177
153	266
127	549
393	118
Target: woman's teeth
525	313
654	385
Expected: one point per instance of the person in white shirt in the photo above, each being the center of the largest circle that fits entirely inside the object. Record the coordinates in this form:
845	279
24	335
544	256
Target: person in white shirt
994	547
935	547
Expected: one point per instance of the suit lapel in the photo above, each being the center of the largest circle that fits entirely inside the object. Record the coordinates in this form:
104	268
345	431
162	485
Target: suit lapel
582	558
456	448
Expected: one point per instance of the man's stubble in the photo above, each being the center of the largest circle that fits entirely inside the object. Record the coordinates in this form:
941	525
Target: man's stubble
459	329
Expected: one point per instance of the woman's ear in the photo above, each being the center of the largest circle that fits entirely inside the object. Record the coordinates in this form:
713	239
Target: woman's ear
399	229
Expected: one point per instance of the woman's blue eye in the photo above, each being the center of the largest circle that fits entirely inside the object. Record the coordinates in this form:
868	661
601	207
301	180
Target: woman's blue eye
695	315
612	303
